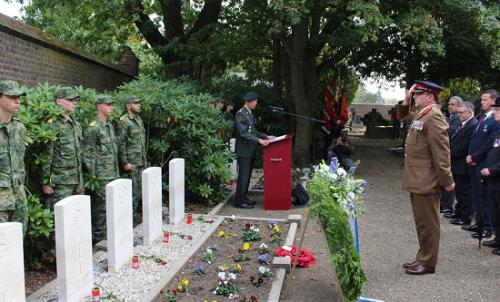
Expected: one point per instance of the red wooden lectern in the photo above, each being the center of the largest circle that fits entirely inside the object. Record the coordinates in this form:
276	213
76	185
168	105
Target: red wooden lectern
278	174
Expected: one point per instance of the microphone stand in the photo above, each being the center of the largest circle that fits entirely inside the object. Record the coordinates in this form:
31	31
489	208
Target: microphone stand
280	110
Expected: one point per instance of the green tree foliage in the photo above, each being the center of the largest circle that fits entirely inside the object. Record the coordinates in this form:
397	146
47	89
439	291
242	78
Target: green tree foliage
363	96
435	40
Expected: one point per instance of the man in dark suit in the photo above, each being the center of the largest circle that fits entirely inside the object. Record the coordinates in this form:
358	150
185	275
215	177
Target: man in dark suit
480	144
492	172
247	139
459	149
447	198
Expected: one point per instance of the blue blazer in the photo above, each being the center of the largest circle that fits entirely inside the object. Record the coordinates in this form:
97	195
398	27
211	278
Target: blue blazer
482	139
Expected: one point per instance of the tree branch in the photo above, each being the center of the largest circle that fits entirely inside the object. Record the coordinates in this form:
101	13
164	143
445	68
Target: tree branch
148	29
208	15
172	18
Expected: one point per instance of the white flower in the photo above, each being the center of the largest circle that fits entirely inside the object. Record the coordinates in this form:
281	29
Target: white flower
263	270
351	196
263	245
209	251
231	276
233	217
253	228
341	172
222	275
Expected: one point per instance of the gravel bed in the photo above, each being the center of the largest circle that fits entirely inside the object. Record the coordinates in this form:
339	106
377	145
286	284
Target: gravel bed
129	284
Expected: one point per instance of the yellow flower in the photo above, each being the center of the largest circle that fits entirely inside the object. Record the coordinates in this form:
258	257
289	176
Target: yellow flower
185	282
276	228
179	287
222	234
246	246
238	266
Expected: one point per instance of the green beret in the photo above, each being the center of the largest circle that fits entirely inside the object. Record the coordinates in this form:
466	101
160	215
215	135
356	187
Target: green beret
103	99
131	99
10	88
66	93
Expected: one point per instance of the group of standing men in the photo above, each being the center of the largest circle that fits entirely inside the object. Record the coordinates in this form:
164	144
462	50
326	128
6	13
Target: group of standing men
443	156
475	166
97	150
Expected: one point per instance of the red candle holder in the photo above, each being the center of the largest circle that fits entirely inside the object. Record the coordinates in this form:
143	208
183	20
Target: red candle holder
166	237
189	219
135	262
96	294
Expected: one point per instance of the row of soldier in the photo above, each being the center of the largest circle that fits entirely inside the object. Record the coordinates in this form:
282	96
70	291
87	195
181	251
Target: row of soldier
104	153
474	149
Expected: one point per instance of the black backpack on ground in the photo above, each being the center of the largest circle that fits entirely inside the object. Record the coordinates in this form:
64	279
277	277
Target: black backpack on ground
301	198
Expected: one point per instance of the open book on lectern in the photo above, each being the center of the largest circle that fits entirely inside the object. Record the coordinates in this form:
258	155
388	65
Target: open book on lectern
277	139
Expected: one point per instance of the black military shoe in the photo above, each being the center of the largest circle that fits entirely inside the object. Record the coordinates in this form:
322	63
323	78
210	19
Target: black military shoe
444	211
486	234
471	228
460	221
251	201
450	215
245	206
496	252
492	243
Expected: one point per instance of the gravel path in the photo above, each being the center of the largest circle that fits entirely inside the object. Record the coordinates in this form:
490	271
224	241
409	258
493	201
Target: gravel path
388	239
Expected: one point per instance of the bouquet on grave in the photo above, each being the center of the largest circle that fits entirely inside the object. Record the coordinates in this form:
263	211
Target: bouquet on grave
305	257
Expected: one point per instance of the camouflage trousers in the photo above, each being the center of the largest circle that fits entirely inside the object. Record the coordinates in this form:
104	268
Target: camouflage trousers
61	192
98	207
136	176
13	206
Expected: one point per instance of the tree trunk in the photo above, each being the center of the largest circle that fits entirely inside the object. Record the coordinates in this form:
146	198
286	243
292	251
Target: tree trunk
303	130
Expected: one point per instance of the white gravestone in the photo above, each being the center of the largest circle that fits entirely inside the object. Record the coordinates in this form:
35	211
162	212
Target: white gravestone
11	262
120	234
151	204
176	190
73	248
234	165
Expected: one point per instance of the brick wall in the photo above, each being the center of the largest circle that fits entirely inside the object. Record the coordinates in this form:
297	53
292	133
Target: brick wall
30	57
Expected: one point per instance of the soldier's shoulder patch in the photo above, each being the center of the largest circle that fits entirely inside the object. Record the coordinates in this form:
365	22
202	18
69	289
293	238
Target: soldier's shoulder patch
92	124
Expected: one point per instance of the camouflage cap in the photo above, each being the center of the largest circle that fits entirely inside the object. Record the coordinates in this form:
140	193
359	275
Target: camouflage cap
66	93
103	99
11	88
131	99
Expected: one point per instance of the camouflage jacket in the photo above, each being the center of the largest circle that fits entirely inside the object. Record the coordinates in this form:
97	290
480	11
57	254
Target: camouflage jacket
100	151
64	165
12	168
132	142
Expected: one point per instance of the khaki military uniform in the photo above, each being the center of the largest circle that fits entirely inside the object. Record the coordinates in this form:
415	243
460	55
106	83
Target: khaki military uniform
132	147
100	156
426	171
63	170
13	205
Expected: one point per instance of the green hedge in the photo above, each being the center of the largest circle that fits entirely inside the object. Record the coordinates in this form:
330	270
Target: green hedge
335	195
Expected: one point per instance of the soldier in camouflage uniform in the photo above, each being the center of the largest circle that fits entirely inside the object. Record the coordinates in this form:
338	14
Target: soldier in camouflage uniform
62	174
12	148
100	156
132	146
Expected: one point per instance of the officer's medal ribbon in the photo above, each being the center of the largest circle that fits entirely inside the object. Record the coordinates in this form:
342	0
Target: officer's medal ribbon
417	125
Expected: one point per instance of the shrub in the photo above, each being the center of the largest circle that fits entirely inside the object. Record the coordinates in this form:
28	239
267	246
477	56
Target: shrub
179	123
